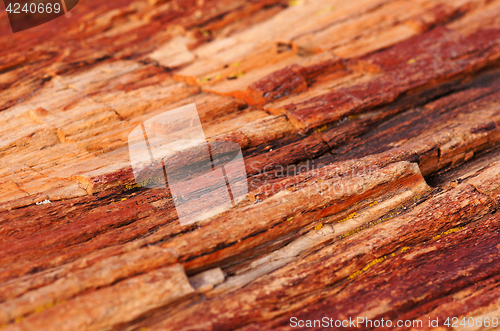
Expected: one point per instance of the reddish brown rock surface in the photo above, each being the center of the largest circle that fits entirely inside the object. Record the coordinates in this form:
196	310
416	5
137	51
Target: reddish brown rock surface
370	133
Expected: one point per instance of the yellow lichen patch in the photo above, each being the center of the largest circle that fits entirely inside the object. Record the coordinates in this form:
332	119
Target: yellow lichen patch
454	230
374	203
323	128
332	8
131	186
368	266
18	319
404	249
206	79
236	76
118	201
347	234
235	64
290	220
411	61
42	308
450	231
376	261
318	227
351	216
388	217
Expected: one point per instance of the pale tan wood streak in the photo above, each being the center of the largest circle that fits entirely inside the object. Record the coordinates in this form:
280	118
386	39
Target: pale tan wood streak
122	302
100	274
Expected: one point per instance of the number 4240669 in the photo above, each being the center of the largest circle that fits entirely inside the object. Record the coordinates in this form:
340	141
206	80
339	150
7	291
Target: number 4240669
471	322
34	8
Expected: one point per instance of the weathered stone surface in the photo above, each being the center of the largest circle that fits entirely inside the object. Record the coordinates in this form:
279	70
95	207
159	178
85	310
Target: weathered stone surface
94	276
326	272
437	56
118	303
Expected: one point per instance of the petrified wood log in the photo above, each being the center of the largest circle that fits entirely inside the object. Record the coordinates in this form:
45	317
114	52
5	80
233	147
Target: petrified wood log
370	132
